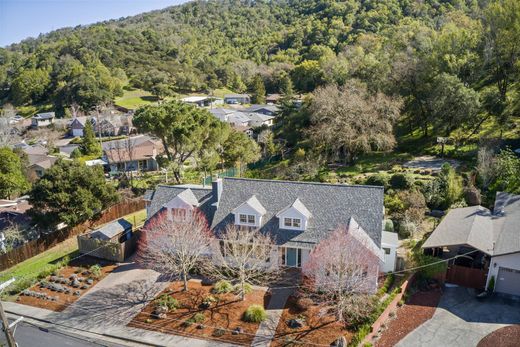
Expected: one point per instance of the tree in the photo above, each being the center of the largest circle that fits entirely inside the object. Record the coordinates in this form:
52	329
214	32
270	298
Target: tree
183	129
12	178
8	131
286	85
507	172
444	190
342	270
257	90
174	242
240	149
89	144
70	192
307	76
347	121
29	86
243	256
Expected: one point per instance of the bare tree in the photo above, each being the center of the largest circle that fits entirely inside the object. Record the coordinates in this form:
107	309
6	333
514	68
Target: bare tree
486	165
122	151
8	131
243	256
342	271
174	242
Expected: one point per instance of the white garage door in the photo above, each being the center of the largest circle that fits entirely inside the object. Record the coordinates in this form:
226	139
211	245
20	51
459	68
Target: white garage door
77	132
508	281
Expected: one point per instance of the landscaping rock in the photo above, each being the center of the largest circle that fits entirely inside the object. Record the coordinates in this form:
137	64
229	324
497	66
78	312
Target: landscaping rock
200	326
85	286
159	312
237	331
77	293
206	282
205	305
72	277
81	279
295	323
53	278
340	342
75	283
63	280
85	273
89	281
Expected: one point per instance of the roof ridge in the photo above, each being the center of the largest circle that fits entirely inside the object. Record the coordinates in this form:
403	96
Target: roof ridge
179	186
303	182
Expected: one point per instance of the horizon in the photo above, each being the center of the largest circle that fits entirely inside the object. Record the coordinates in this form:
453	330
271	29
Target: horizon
25	19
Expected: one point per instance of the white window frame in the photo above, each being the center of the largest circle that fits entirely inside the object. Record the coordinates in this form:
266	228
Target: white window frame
295	223
249	219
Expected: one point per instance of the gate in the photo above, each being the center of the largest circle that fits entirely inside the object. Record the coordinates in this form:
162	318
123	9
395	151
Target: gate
466	277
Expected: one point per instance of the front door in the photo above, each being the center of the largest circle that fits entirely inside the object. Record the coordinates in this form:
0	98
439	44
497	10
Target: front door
293	257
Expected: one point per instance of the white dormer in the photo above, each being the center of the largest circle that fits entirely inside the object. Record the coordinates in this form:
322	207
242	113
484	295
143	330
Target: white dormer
185	200
249	213
295	216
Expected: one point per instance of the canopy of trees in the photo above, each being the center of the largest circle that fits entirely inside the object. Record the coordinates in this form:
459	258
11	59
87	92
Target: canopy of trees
12	178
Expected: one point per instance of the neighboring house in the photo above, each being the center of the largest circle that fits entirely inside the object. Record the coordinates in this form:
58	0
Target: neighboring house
42	119
113	241
298	215
133	154
236	99
115	125
203	101
38	164
242	119
67	150
389	245
487	243
272	99
77	125
268	110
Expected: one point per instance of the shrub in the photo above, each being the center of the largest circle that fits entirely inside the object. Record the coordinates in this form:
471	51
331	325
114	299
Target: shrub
304	303
222	287
218	332
491	284
255	314
389	280
406	229
248	289
168	301
389	225
95	270
401	181
378	180
196	318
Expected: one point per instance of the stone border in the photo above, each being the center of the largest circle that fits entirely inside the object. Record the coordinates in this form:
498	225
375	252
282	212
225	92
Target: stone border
392	306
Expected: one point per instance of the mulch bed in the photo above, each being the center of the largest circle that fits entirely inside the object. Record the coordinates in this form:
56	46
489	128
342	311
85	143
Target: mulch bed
62	300
318	328
504	337
418	309
219	320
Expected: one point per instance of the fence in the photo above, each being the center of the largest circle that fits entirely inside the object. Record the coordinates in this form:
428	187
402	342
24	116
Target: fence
35	247
111	250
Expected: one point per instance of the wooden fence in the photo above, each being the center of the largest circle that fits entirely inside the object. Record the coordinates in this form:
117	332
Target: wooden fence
107	249
466	277
35	247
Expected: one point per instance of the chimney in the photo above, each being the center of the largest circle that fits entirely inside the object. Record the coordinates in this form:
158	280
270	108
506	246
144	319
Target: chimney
216	187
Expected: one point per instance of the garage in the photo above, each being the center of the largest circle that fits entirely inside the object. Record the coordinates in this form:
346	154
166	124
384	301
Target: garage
508	281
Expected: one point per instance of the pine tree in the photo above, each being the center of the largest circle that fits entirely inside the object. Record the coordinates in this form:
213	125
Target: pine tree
258	90
89	145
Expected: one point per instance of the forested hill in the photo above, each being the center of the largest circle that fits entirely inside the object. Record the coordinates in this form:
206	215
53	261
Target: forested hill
426	51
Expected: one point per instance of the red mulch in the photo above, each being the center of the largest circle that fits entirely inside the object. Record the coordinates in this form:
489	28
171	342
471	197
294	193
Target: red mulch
63	300
418	309
226	314
504	337
317	330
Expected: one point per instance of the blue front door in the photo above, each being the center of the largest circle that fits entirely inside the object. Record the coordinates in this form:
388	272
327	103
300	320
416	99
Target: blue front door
292	257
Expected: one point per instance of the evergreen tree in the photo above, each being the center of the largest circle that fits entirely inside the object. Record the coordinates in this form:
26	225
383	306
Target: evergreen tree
258	90
89	145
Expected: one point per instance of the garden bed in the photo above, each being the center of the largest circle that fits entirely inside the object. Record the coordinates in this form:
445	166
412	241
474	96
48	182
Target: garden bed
317	328
215	323
66	285
419	308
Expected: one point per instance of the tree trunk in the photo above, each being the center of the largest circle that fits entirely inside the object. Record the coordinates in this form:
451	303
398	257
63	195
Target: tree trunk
243	294
185	280
177	176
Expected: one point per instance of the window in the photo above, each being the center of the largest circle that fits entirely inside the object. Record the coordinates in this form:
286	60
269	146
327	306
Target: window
247	218
387	250
292	222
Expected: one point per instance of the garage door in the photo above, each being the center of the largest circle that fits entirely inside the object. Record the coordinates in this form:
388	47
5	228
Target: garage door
508	281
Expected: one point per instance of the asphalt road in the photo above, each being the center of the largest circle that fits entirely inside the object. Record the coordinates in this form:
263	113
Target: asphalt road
27	335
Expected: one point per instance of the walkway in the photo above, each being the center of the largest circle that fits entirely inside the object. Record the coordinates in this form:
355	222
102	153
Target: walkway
462	321
267	329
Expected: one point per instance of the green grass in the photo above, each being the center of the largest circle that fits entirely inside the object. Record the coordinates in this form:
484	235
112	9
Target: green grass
33	266
133	98
137	218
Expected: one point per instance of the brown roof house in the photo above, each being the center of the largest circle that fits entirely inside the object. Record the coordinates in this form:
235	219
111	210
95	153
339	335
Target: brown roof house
134	154
115	125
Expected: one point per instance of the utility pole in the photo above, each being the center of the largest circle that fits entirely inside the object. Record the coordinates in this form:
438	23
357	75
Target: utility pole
5	323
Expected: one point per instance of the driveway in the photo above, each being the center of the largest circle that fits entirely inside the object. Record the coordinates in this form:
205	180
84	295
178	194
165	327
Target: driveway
462	321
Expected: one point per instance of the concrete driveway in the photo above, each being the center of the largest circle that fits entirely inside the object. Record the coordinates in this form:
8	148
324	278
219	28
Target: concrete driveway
462	321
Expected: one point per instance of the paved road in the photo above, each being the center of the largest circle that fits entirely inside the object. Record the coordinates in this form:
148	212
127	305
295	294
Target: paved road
462	321
27	335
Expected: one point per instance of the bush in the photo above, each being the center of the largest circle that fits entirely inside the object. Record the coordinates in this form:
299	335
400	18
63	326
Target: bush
389	280
389	225
196	318
95	270
406	229
255	314
304	303
491	284
248	289
378	180
168	301
401	181
222	287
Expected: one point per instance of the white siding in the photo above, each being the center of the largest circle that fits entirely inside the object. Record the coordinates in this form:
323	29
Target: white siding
511	261
389	259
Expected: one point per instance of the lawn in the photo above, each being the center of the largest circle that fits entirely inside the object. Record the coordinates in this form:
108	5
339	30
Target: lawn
30	268
133	98
137	218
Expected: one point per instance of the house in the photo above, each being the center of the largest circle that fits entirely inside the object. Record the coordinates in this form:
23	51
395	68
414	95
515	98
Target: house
116	237
203	101
389	245
236	99
268	110
67	150
38	164
42	119
296	214
137	153
272	99
242	119
115	125
77	125
486	245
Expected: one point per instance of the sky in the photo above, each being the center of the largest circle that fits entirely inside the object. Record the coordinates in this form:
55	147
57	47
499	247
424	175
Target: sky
20	19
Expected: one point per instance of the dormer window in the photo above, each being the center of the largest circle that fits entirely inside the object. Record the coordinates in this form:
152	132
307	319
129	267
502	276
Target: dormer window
247	218
292	222
249	213
295	216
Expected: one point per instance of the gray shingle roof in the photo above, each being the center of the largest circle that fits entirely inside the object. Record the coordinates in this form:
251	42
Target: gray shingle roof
163	194
112	229
331	205
493	233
